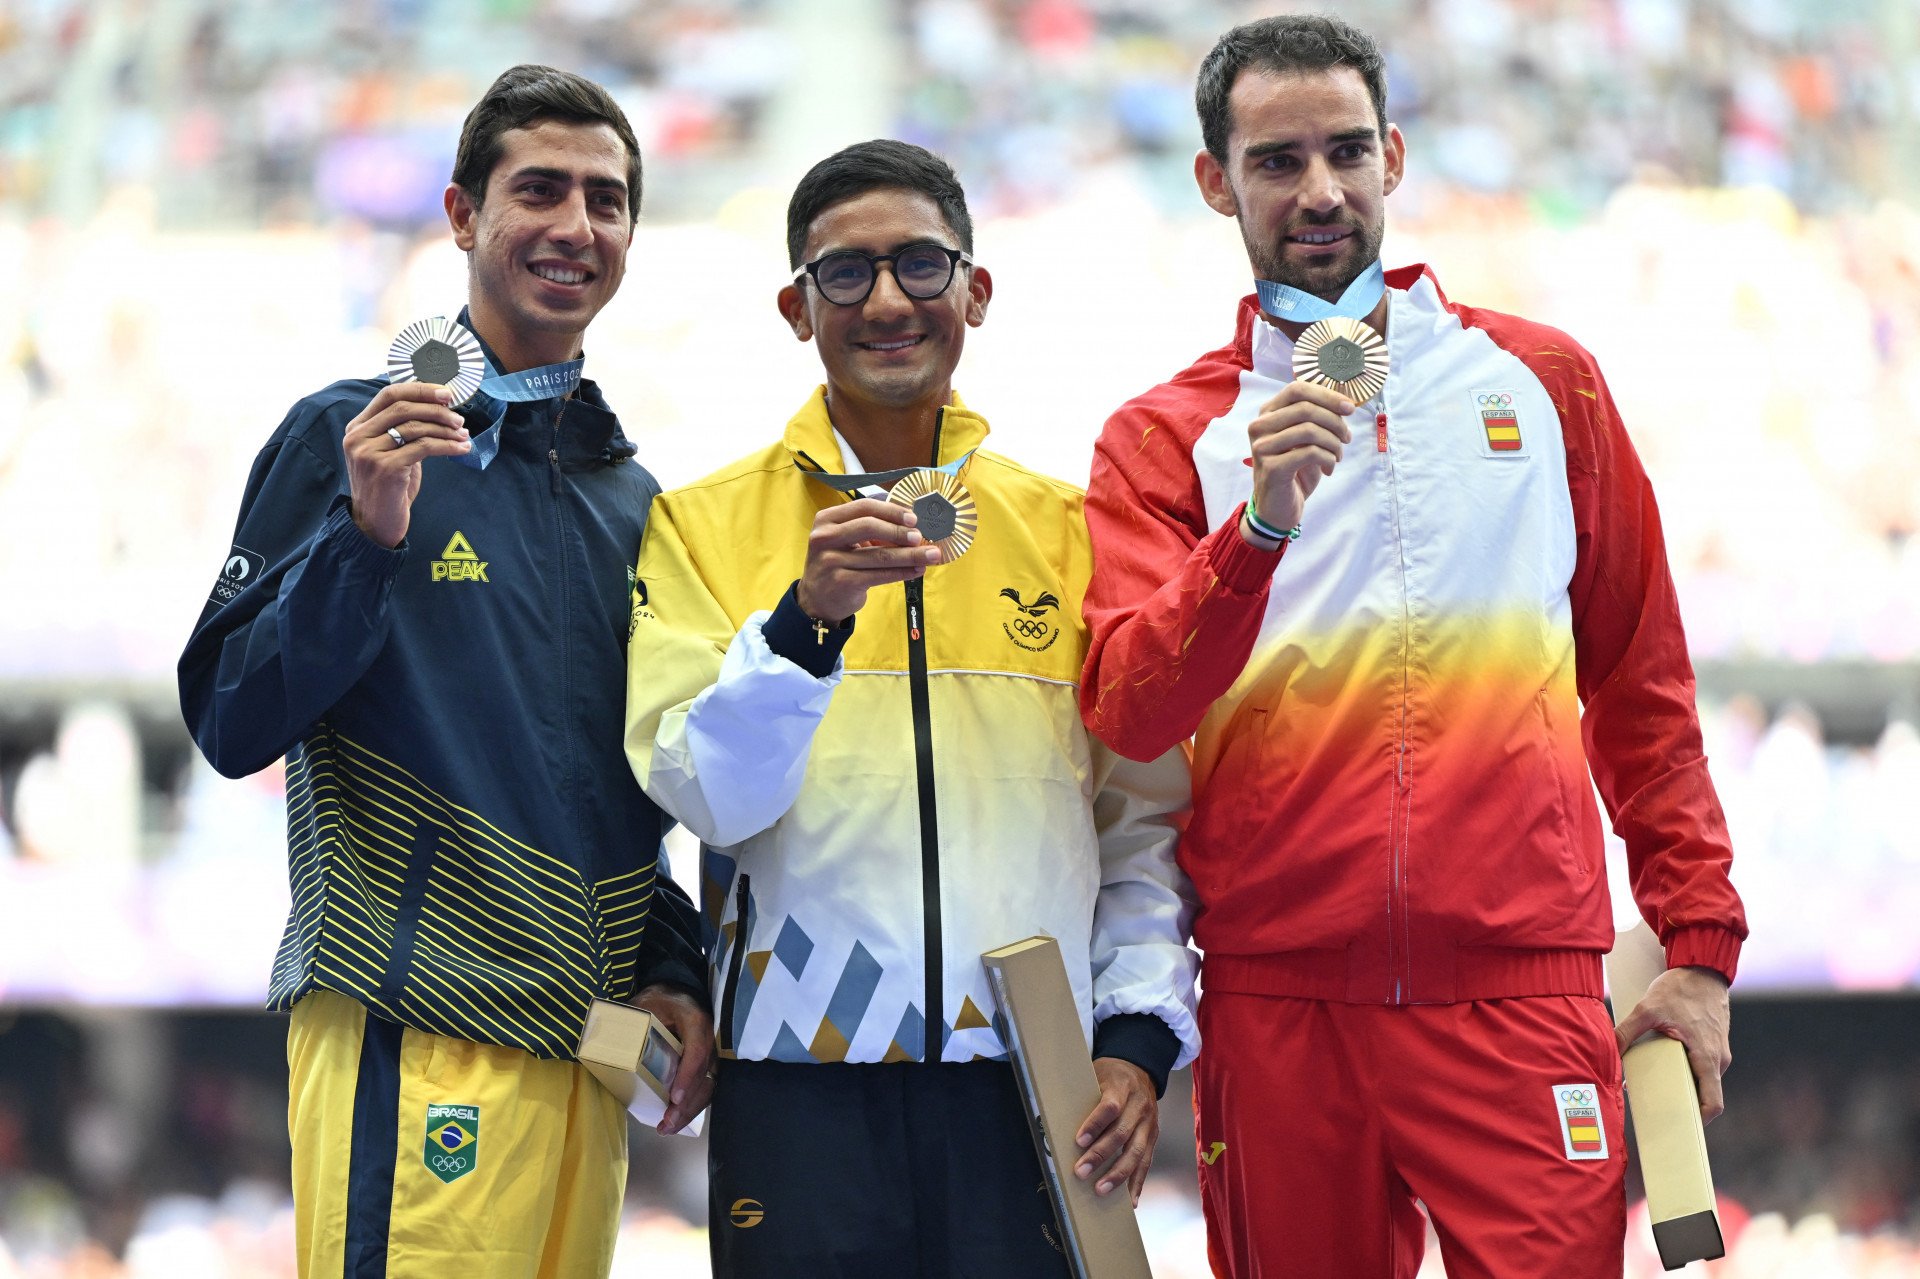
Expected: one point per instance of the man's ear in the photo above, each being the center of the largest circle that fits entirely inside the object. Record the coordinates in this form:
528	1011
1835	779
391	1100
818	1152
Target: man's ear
1214	187
1396	158
979	293
793	309
461	214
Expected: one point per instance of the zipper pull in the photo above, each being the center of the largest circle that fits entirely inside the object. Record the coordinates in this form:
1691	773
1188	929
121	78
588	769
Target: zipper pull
1380	432
913	621
553	462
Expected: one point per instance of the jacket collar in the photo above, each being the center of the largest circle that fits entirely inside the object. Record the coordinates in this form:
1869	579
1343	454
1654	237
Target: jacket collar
592	431
809	435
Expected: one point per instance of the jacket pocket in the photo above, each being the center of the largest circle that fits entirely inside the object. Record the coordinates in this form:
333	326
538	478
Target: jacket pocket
1557	789
1215	854
729	1034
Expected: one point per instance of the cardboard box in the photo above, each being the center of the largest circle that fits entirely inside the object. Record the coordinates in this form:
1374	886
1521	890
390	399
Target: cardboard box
1040	1022
626	1047
1669	1137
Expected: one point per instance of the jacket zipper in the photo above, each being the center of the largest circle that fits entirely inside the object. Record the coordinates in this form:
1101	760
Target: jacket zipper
729	1035
563	576
1399	962
929	812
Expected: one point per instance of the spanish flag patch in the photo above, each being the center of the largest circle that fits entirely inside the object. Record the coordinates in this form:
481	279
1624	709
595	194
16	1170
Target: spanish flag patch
1582	1130
1500	420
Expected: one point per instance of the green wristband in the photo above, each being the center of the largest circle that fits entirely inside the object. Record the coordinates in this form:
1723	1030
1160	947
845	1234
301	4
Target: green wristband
1267	530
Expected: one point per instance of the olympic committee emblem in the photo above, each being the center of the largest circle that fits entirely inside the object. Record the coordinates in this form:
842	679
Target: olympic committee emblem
1034	626
453	1141
1581	1130
1498	413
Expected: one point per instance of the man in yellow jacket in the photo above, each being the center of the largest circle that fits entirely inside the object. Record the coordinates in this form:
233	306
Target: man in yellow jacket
881	802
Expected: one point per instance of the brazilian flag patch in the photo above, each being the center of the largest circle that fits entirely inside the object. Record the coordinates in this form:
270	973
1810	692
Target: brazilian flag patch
453	1140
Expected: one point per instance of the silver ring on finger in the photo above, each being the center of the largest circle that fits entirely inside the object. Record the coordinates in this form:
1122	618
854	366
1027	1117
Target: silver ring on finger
399	440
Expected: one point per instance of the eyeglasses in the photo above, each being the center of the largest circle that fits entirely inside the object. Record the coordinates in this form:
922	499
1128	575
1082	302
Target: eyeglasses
922	271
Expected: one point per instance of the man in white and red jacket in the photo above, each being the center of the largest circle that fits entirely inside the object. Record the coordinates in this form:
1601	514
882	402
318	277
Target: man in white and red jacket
1400	632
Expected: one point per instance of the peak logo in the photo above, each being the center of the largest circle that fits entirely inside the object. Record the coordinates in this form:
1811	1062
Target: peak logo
459	562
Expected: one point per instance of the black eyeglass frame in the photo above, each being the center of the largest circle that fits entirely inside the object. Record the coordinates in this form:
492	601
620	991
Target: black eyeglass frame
955	259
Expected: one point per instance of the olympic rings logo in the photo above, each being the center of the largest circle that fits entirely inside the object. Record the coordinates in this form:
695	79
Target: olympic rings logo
447	1163
1030	629
1497	400
1576	1096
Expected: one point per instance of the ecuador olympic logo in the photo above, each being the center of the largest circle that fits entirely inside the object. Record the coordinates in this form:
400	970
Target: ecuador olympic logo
1030	626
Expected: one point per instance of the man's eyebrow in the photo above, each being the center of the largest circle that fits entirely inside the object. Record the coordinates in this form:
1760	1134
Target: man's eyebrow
562	175
902	245
1261	150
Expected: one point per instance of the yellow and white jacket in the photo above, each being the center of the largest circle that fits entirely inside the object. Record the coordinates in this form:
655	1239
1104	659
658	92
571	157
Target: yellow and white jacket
868	834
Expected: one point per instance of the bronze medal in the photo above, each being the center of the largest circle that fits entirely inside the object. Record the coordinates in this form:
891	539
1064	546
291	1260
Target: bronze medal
1344	354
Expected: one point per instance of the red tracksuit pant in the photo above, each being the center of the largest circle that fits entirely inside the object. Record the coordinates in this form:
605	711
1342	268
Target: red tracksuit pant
1319	1124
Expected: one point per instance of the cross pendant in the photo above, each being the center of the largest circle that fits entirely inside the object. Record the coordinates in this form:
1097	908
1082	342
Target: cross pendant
819	631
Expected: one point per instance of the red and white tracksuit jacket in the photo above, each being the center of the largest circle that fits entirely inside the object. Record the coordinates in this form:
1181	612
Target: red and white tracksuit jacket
1391	797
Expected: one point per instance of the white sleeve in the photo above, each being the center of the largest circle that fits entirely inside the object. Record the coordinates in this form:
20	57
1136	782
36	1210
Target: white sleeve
729	763
1144	913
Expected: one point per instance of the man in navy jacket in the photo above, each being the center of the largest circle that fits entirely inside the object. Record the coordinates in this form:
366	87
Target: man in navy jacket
426	610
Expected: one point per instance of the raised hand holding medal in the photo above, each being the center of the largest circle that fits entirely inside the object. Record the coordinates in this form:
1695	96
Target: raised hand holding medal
1339	363
409	420
445	351
900	524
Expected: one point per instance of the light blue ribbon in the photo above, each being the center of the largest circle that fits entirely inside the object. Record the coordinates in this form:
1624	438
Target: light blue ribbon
1284	302
497	390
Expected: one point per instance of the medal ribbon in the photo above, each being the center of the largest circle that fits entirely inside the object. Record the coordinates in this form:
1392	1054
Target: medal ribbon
1284	302
854	483
497	390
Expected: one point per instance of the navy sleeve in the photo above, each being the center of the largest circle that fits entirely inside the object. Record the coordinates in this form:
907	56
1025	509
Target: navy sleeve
790	633
1142	1039
298	613
670	951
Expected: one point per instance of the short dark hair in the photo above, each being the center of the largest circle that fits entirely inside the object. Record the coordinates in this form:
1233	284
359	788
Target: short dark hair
881	164
1294	43
528	94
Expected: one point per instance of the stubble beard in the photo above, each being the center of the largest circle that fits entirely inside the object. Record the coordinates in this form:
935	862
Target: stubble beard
1327	281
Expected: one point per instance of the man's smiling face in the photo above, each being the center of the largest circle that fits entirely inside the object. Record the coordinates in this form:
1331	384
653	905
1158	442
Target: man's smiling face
549	246
890	351
1307	175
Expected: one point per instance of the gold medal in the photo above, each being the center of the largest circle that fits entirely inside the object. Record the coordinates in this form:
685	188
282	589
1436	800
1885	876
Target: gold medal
943	510
440	351
1344	354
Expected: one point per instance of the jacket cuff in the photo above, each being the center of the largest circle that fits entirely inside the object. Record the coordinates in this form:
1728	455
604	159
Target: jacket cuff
356	548
1704	946
1240	565
1142	1039
680	977
791	634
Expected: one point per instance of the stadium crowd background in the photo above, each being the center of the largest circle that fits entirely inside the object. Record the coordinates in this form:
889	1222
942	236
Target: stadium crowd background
209	207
